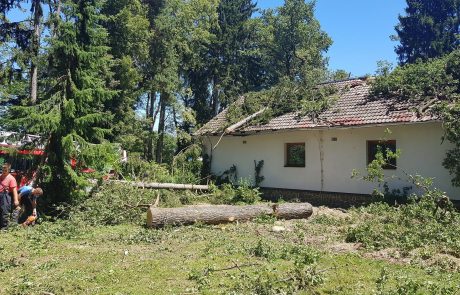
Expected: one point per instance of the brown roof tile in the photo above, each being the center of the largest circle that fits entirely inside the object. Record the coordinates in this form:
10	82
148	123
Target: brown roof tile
354	107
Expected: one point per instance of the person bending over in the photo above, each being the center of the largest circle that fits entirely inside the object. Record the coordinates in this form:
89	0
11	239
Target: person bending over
28	202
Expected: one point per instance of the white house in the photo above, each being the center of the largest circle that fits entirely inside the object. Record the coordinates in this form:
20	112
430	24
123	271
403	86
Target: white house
320	156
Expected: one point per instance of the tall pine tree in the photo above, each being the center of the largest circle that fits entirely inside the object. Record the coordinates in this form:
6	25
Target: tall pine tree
129	35
72	115
293	45
429	29
228	54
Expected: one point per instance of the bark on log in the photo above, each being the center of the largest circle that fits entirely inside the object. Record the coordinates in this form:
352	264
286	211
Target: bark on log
216	214
233	127
157	185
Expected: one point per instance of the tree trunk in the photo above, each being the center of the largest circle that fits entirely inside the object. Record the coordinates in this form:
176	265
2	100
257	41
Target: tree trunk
176	123
147	108
149	112
154	113
158	185
215	98
33	83
57	13
216	214
244	121
161	129
37	10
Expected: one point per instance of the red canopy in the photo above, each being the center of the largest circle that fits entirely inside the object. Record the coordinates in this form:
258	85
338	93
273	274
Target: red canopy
34	152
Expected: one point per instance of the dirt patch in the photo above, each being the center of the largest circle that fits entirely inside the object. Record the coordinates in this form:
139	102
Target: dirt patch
390	254
345	247
316	240
444	261
450	257
335	213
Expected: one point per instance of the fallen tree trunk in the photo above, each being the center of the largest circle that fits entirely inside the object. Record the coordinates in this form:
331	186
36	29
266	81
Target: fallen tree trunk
216	214
158	185
237	125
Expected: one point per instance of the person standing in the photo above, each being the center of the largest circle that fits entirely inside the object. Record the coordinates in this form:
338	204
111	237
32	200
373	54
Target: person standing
8	187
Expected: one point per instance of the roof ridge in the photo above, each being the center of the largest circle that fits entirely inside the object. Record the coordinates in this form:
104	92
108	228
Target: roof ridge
362	78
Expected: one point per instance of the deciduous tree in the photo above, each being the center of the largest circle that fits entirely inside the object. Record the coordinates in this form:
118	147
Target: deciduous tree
295	42
434	87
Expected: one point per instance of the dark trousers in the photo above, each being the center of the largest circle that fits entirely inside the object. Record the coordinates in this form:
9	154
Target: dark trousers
26	211
5	209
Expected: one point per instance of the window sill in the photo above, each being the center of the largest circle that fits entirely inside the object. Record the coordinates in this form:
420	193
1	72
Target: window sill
291	166
387	167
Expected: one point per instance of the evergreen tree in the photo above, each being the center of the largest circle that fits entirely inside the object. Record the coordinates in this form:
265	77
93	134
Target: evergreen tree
429	29
129	35
9	30
228	53
37	12
72	115
15	38
231	64
293	44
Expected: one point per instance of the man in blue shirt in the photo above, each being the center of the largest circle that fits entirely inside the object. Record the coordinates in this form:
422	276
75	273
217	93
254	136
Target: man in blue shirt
28	202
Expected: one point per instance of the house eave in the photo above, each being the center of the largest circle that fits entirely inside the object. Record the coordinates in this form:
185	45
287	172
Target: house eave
341	127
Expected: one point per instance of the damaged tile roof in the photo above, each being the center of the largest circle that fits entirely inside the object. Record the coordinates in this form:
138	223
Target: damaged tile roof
353	108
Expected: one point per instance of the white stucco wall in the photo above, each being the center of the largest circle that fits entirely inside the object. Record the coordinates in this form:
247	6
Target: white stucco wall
420	144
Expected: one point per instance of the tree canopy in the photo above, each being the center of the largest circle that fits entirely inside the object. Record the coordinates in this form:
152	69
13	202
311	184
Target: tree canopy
428	29
434	87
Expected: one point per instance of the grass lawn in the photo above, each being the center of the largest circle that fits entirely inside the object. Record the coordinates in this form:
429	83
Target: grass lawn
64	258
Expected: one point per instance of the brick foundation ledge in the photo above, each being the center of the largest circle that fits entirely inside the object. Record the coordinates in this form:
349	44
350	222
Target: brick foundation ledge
318	198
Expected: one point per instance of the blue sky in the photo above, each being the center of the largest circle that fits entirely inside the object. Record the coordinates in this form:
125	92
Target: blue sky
360	30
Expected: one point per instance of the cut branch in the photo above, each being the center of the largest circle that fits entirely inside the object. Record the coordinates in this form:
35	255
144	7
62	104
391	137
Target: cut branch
425	106
244	121
158	185
237	125
207	271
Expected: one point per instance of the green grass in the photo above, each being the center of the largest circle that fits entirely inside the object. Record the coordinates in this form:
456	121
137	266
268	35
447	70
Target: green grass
63	258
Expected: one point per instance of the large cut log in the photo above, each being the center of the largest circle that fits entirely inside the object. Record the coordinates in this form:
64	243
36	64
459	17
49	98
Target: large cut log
216	214
158	185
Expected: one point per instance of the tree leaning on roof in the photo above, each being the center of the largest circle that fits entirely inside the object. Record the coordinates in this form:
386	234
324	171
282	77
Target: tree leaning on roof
434	86
293	45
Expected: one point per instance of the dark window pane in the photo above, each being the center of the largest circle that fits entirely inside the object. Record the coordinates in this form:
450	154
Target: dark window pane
374	146
295	154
